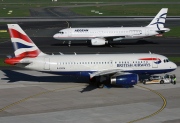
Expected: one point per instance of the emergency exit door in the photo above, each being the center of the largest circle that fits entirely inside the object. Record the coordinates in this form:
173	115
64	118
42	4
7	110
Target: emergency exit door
46	63
70	32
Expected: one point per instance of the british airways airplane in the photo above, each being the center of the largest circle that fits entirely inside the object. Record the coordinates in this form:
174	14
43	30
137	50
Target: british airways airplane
101	36
119	69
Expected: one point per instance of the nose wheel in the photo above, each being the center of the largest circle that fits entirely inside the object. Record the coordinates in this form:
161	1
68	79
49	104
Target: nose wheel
69	43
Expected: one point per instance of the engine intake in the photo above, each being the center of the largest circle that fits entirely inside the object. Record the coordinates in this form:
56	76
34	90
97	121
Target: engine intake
125	79
98	41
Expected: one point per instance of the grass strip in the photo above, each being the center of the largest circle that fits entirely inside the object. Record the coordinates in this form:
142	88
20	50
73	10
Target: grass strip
59	1
127	10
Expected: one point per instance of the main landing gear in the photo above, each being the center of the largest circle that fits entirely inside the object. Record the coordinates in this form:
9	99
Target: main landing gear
99	82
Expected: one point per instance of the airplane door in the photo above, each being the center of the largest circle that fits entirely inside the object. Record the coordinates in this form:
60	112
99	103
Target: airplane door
70	32
155	63
46	64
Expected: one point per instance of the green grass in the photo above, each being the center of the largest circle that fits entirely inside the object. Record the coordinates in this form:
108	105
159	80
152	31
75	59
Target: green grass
22	9
49	1
4	35
2	62
174	32
128	10
18	10
174	59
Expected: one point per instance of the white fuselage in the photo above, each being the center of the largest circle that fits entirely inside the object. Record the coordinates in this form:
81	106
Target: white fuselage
101	35
85	64
114	33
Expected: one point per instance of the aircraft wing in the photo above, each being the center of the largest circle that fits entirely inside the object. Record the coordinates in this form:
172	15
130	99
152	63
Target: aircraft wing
113	72
115	38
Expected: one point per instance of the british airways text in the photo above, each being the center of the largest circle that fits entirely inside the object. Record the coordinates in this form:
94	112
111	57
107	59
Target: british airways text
134	65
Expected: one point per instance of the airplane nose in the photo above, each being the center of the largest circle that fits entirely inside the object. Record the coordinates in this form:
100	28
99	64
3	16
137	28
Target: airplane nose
174	66
55	36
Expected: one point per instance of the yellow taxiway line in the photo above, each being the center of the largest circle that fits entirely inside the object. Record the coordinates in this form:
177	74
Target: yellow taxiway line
158	111
32	96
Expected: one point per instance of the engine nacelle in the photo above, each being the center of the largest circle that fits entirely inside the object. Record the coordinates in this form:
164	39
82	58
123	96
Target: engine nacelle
125	79
98	41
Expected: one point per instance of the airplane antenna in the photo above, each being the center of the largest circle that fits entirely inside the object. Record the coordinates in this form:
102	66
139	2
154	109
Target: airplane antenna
75	53
149	52
61	53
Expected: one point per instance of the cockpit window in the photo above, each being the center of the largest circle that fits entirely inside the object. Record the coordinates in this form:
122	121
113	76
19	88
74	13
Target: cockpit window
166	60
61	32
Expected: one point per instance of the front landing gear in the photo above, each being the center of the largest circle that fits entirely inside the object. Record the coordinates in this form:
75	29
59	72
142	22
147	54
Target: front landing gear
69	43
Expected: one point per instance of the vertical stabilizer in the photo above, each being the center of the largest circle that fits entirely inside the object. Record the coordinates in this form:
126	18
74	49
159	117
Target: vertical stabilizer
23	45
159	20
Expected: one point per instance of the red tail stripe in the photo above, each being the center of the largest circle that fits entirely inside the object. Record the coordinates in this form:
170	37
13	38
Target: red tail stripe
16	34
12	61
15	60
30	54
149	59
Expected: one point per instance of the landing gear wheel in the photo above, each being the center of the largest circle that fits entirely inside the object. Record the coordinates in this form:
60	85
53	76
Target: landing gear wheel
144	82
161	82
100	85
93	81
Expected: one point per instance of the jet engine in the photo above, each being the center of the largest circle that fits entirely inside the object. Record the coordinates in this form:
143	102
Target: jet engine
125	79
98	41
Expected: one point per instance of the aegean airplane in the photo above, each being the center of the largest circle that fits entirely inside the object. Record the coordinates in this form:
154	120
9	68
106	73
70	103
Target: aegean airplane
119	69
102	35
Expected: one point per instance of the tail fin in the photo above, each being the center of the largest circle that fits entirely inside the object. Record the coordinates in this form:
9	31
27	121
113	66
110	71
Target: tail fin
160	19
23	45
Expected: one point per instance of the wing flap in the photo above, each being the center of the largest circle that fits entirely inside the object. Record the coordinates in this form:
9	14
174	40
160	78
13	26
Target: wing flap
105	72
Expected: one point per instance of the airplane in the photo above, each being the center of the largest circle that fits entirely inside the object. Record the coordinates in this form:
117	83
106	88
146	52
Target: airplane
118	69
102	35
